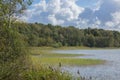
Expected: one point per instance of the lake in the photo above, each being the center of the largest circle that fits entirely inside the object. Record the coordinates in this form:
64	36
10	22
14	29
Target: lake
108	71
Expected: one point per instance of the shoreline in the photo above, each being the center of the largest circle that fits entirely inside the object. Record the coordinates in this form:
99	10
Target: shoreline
74	48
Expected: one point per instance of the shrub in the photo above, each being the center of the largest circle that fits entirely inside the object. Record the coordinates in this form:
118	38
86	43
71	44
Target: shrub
12	54
56	45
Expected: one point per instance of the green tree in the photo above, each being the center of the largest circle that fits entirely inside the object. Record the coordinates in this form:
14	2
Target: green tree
11	8
12	52
90	41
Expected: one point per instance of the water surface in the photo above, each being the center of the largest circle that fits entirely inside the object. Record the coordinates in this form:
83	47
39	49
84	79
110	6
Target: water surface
107	71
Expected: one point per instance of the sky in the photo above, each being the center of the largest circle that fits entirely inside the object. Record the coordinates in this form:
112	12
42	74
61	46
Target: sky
103	14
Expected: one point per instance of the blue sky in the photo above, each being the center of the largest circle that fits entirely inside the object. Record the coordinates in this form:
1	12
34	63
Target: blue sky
79	13
83	3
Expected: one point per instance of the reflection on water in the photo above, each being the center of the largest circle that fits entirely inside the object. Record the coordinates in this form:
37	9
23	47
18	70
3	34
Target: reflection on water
108	71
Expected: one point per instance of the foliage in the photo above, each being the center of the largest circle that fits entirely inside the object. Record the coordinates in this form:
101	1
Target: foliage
57	36
45	73
13	54
56	45
11	8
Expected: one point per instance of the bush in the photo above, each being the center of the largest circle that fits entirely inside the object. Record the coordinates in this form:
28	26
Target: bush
46	74
56	45
12	54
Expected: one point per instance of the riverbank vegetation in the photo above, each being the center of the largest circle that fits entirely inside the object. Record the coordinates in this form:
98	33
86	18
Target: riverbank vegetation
37	34
14	59
49	57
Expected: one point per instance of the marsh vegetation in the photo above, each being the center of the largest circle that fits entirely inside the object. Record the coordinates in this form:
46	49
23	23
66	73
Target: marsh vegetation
46	56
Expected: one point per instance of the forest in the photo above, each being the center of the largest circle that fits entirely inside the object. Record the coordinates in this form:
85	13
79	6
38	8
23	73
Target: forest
37	34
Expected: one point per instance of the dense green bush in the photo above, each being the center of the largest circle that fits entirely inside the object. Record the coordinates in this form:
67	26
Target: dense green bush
57	45
12	54
46	73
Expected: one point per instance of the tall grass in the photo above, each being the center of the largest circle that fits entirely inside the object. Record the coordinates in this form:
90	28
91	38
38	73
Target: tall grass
46	73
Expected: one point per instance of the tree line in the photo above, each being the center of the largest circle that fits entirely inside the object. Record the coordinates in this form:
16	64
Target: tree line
37	34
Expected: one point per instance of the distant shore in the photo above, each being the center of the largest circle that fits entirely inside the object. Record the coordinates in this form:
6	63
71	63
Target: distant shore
73	47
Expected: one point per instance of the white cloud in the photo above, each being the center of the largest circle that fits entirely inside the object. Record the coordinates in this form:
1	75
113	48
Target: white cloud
54	6
54	21
70	9
97	5
42	5
115	20
117	1
101	14
116	17
84	23
26	16
55	11
109	24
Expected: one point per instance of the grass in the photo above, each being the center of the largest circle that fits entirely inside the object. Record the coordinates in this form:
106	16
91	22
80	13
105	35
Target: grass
84	47
71	48
47	52
57	55
45	55
66	61
41	72
43	62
